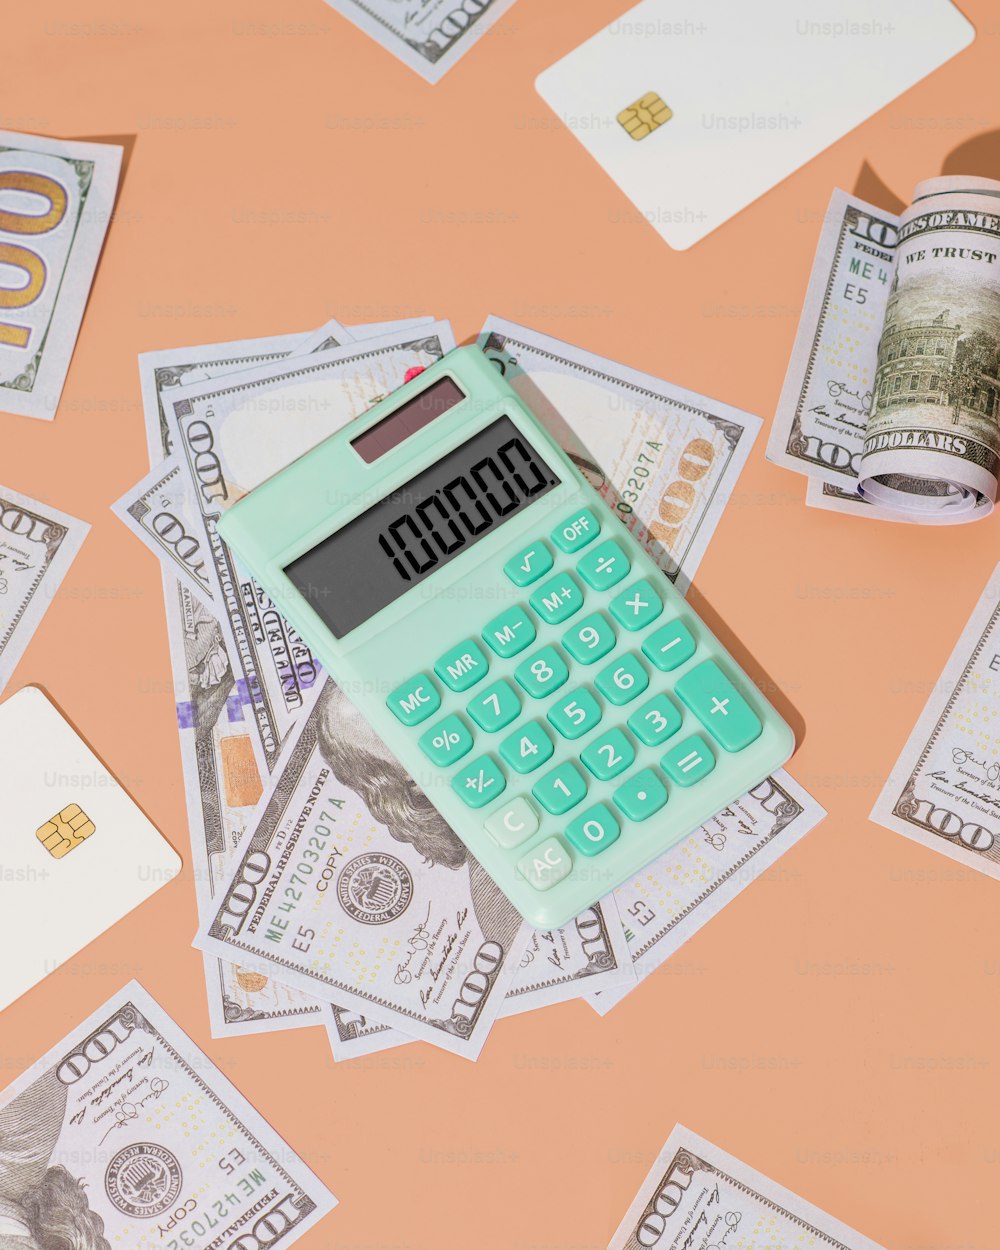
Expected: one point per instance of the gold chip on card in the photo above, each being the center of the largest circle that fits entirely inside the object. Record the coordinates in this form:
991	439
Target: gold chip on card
647	114
66	831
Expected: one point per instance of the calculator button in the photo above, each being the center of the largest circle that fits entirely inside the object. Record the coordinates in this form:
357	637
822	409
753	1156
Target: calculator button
462	666
560	789
576	531
496	707
688	761
529	565
637	607
575	713
509	633
623	680
546	865
605	566
542	672
594	831
591	639
480	782
641	796
446	742
720	707
557	599
669	646
655	721
608	755
528	748
512	824
414	700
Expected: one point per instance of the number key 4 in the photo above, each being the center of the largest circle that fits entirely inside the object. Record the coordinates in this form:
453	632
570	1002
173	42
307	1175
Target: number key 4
528	748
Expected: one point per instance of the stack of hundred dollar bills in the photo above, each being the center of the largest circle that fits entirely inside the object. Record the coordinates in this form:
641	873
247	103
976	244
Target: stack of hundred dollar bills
273	752
891	403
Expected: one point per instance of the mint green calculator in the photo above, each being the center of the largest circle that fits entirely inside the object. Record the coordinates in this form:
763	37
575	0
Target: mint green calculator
556	699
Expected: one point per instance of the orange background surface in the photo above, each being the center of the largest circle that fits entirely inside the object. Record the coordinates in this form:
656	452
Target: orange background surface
836	1026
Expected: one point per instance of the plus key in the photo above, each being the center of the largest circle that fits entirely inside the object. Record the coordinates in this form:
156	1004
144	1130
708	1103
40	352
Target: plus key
720	707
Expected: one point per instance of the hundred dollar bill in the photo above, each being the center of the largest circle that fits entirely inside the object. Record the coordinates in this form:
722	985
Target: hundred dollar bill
697	1197
235	432
427	35
56	200
665	459
352	1035
222	784
893	388
164	371
351	887
126	1134
38	543
672	898
583	957
932	443
333	334
589	954
832	498
944	790
819	427
222	779
153	509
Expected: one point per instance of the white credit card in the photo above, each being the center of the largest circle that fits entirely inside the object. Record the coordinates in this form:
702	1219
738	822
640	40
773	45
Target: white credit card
76	854
697	107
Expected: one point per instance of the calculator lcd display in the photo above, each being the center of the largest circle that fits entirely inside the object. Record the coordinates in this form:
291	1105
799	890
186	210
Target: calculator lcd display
404	538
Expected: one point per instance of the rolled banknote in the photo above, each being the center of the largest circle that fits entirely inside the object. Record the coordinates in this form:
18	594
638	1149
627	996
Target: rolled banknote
932	442
125	1134
893	390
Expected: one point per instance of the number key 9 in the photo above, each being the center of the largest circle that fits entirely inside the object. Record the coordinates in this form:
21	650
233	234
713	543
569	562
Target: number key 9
589	640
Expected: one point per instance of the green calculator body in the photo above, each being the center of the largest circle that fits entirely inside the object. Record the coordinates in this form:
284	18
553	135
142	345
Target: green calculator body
533	670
